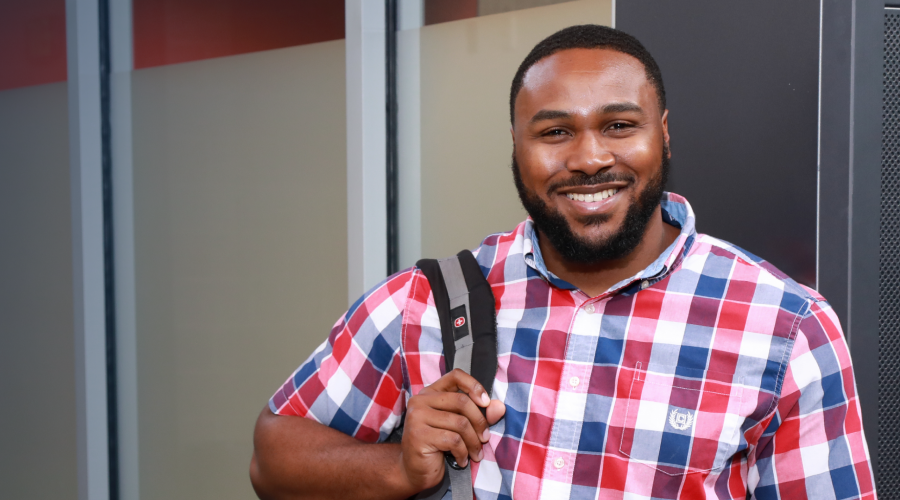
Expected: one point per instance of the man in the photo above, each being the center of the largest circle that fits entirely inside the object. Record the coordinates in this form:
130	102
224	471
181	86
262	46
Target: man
637	358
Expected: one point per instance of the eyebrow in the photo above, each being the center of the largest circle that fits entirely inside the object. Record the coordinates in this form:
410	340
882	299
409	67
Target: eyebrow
615	107
550	114
622	107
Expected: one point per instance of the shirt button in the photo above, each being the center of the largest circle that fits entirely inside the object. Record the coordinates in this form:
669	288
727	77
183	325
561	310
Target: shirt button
574	381
559	463
589	308
644	284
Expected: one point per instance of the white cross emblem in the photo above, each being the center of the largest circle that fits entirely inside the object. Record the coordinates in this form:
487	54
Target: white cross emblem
681	421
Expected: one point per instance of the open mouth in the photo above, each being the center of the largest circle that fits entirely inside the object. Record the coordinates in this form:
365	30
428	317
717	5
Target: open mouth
591	197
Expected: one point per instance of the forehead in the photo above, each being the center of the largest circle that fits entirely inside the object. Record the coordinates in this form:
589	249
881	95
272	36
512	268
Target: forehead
578	77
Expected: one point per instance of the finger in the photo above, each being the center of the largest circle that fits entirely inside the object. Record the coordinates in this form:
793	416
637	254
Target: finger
458	380
455	423
461	404
495	411
452	442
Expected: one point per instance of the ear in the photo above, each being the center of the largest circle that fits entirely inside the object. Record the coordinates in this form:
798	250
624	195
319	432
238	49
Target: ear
665	130
512	133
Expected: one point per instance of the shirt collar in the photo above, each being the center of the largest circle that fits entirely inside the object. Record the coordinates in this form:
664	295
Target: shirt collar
676	211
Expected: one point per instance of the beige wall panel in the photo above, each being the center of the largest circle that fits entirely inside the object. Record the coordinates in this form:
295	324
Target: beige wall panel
241	252
488	7
467	67
37	358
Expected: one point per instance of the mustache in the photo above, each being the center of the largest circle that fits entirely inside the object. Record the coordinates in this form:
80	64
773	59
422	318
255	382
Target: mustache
591	180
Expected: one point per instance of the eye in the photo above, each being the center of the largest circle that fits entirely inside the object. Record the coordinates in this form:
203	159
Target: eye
555	132
619	126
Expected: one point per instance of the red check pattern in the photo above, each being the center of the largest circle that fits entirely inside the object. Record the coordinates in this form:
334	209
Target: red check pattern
709	374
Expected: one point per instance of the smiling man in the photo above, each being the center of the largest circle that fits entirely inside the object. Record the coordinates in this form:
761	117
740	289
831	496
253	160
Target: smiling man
637	358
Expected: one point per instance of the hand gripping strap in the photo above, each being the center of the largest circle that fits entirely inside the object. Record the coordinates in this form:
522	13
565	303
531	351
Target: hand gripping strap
465	305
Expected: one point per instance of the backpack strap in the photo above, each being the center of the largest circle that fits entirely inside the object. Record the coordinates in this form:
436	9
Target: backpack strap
465	305
463	295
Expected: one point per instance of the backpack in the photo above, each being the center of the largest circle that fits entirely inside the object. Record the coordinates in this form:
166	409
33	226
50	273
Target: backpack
465	306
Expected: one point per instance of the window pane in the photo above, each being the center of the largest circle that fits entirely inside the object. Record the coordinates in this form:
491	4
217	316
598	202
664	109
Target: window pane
240	234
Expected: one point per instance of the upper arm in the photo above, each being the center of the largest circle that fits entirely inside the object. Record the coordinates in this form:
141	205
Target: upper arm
814	446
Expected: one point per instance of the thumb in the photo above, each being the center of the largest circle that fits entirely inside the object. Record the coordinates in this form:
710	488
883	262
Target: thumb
495	411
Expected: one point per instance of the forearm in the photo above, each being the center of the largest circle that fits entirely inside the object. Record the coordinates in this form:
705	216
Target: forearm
295	458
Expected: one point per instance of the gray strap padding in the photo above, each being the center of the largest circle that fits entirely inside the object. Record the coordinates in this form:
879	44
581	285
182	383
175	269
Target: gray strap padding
458	291
460	483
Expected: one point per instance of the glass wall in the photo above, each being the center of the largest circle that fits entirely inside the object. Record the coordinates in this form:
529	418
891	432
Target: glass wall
456	185
238	192
37	359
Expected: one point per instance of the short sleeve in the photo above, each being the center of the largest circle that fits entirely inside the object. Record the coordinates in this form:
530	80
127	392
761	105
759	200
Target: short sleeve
353	382
814	446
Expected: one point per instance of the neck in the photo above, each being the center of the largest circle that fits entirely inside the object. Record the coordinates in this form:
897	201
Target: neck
597	278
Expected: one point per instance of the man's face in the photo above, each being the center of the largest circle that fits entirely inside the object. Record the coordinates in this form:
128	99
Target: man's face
590	152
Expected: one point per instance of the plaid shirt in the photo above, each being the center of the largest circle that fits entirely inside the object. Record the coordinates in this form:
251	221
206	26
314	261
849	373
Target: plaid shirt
709	374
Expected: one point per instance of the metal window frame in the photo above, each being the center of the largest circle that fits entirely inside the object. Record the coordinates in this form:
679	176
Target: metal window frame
86	160
367	229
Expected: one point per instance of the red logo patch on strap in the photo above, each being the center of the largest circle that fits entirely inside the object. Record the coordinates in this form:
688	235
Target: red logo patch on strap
460	321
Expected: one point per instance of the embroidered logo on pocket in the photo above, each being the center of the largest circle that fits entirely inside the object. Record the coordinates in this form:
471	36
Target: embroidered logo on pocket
681	421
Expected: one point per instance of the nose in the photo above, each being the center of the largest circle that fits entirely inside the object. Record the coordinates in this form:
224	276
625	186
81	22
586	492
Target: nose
589	155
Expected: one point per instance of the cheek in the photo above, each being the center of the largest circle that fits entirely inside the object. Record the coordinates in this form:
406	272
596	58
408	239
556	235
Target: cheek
536	165
642	156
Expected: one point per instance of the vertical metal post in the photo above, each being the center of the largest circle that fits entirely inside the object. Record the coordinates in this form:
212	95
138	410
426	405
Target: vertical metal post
410	17
108	252
86	167
366	145
393	239
121	65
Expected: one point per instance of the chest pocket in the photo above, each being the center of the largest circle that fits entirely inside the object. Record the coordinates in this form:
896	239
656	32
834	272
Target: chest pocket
682	422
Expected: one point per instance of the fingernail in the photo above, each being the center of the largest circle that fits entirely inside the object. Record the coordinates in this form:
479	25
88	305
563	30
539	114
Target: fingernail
465	462
486	436
479	456
485	399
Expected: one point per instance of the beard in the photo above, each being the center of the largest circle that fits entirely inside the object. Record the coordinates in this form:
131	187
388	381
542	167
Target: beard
576	249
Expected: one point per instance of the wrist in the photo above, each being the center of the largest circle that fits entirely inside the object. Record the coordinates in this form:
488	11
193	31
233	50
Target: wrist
399	478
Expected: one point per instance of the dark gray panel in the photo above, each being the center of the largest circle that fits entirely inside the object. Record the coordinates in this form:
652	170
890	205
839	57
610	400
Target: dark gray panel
889	317
850	177
742	86
834	212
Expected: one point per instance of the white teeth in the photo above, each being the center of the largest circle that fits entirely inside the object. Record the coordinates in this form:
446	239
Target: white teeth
592	197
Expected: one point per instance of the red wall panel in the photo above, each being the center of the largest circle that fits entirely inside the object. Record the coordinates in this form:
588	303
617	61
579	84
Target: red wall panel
32	42
442	11
176	31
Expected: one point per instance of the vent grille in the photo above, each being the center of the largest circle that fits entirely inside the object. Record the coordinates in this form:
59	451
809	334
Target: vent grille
889	304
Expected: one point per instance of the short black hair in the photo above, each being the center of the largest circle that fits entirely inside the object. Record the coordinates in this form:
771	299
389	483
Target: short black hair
588	36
